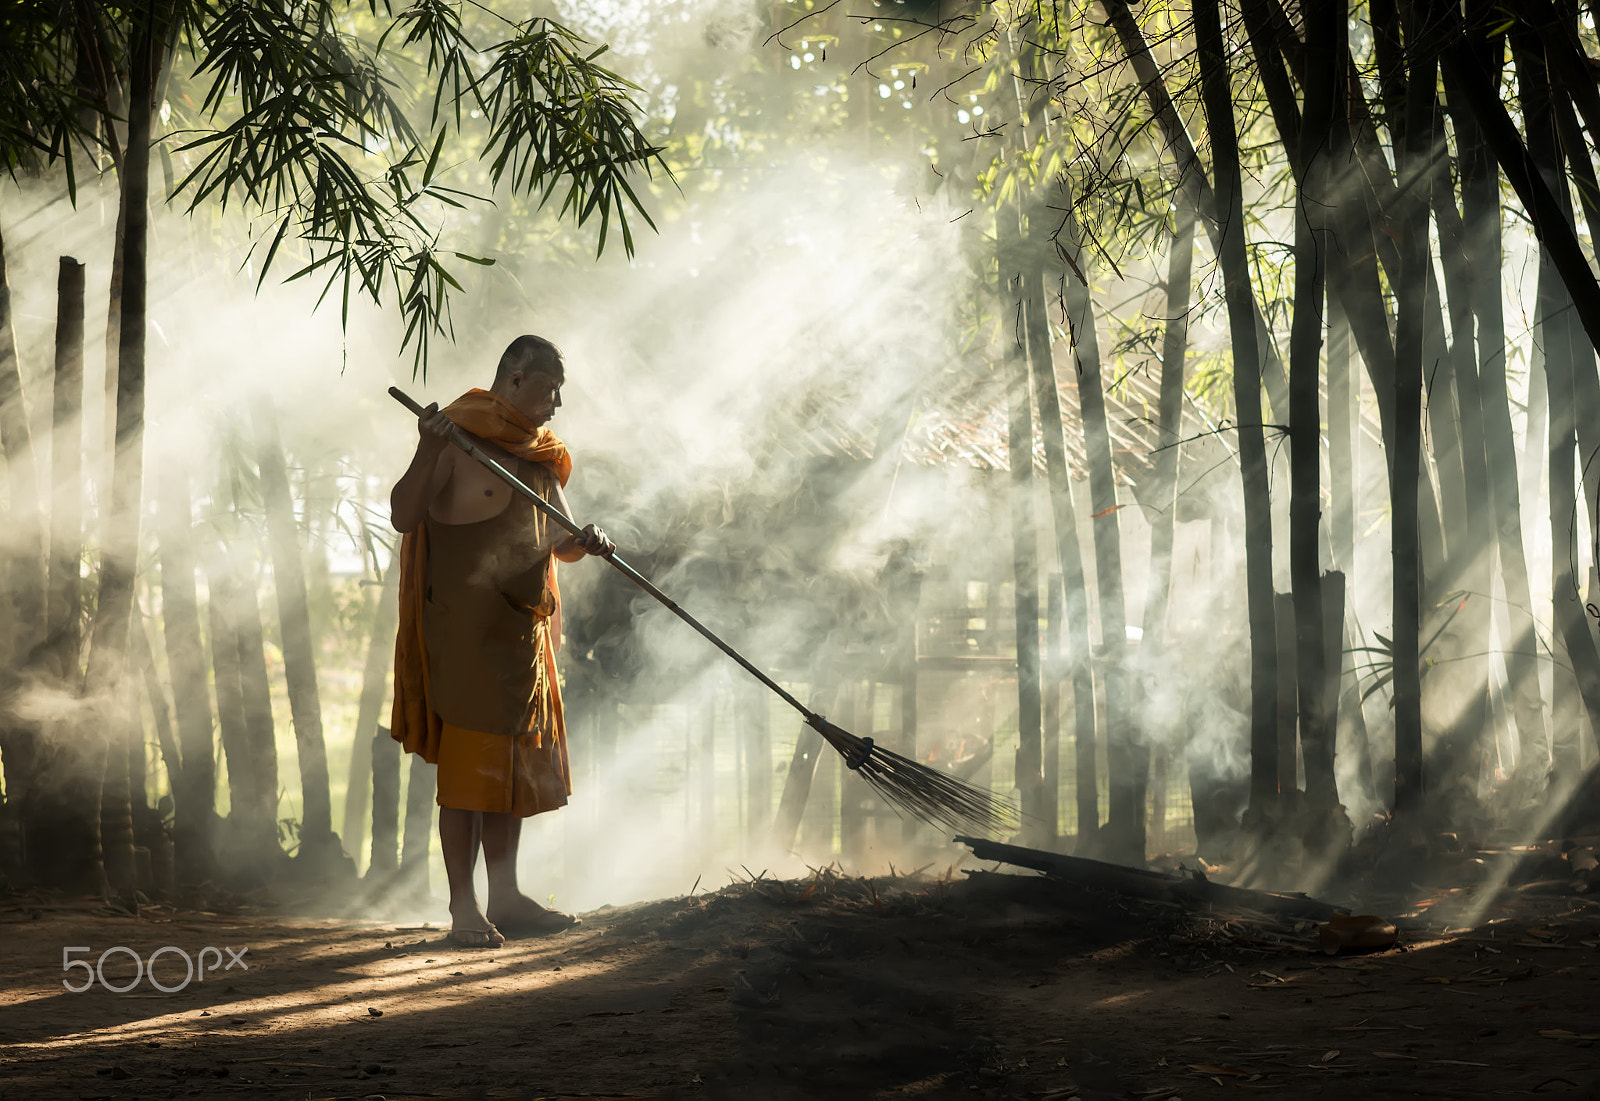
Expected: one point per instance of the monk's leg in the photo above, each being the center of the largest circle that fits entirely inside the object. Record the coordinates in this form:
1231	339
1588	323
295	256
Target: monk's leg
460	833
507	904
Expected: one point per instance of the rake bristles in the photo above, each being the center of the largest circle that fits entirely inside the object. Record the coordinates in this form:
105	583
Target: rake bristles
911	788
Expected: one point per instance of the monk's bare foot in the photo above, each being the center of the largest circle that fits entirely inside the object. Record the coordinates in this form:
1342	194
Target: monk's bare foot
523	917
470	929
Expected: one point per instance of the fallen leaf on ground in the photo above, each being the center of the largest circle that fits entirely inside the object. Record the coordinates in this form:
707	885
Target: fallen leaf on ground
1213	1068
1565	1034
1331	1056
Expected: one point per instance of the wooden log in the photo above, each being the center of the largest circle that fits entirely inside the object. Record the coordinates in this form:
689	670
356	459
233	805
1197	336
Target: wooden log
1191	890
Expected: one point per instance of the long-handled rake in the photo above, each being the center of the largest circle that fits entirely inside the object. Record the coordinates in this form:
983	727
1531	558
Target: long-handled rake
922	792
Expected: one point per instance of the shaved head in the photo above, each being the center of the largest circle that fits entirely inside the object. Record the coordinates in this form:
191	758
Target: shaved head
529	355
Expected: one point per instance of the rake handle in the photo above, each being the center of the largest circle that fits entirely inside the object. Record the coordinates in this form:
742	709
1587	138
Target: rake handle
461	440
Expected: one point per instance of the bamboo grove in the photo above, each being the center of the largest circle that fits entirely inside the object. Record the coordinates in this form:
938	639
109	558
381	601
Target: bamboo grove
1310	225
1395	141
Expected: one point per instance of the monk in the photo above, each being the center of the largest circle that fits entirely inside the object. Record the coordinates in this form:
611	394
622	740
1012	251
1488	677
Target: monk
480	622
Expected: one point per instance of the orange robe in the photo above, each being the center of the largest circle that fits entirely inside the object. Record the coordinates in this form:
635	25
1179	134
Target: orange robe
520	773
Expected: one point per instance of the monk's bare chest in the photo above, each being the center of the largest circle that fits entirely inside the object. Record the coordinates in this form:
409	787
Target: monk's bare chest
473	493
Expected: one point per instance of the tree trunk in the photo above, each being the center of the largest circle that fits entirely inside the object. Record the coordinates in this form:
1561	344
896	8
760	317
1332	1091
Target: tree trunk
374	689
24	576
1344	424
1586	384
256	688
194	791
1053	673
1217	95
107	680
317	840
21	583
1412	162
1461	746
1074	596
1024	530
1127	754
1566	354
149	831
1444	537
144	656
1533	760
116	799
1288	753
1480	198
1344	432
1164	495
113	341
108	649
1326	23
64	632
808	750
241	692
420	787
385	755
1162	502
1369	169
61	814
1017	264
52	785
1079	656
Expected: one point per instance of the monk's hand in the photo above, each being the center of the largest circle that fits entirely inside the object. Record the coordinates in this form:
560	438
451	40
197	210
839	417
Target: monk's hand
594	541
434	428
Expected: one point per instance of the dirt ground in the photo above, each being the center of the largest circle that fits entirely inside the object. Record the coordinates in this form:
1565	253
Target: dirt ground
993	986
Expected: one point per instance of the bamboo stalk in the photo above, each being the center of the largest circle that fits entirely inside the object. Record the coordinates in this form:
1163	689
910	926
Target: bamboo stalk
317	840
374	684
1228	214
64	630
